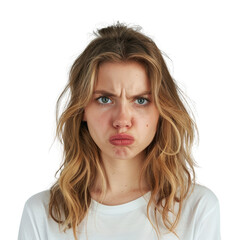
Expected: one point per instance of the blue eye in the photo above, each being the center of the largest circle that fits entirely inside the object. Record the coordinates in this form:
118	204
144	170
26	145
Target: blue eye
104	100
142	101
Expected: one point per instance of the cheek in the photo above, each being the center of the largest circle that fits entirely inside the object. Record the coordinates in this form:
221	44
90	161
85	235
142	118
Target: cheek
95	115
149	127
150	120
150	123
103	119
100	122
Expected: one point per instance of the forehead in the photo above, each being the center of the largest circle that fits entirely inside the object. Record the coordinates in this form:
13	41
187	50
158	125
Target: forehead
129	76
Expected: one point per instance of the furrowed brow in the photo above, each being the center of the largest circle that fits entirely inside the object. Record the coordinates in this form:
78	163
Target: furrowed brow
109	94
105	93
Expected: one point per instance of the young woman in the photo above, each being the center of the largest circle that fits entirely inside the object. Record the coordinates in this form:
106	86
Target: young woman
128	172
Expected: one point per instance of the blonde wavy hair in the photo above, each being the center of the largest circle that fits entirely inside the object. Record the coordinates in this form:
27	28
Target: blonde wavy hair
168	167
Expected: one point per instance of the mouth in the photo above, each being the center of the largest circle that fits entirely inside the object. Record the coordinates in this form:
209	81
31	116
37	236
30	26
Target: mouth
121	140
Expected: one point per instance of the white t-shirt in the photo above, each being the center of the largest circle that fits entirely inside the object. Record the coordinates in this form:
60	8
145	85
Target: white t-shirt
199	220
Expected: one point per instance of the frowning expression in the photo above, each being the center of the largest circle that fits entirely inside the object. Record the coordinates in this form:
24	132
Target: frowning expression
121	117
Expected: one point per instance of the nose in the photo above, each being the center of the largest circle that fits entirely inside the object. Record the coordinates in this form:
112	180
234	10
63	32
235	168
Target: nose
122	118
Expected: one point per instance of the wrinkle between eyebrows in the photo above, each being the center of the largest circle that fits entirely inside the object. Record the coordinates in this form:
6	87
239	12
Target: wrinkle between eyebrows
109	94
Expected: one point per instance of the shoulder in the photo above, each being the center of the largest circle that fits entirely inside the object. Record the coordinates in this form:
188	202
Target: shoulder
39	198
38	202
202	200
201	193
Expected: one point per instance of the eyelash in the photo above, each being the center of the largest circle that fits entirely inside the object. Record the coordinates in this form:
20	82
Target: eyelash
143	105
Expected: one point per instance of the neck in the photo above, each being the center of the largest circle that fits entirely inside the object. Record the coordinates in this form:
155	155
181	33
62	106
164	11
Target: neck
123	175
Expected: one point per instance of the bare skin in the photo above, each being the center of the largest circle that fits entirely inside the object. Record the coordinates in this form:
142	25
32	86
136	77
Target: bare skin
122	184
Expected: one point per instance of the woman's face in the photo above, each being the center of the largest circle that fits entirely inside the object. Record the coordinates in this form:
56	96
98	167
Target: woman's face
121	117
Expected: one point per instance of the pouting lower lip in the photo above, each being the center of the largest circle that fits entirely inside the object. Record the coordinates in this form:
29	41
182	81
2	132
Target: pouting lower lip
121	137
122	142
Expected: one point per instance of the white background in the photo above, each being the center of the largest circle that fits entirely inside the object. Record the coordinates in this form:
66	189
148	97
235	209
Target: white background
41	39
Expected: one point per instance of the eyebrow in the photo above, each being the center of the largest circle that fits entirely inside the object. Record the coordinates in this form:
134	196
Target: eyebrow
109	94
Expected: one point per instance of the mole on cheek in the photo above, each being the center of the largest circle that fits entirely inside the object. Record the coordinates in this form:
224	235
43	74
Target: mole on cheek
147	125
